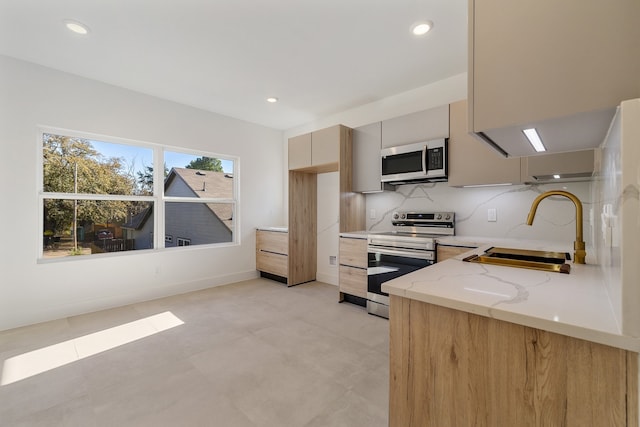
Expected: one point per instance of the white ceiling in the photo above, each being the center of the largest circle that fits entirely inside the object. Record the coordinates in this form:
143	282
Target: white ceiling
319	57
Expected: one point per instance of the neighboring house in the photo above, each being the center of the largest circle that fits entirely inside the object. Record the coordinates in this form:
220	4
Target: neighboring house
189	223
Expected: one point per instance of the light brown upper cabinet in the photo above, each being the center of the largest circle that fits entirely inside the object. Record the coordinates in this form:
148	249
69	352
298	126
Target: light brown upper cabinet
416	127
561	67
319	150
470	161
300	151
560	167
367	167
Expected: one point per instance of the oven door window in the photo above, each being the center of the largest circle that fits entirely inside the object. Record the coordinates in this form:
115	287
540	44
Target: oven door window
384	267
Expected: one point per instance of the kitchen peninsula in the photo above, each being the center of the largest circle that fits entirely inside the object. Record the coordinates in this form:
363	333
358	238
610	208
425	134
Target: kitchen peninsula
475	344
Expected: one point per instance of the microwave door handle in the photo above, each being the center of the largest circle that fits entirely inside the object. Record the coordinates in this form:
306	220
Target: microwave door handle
425	169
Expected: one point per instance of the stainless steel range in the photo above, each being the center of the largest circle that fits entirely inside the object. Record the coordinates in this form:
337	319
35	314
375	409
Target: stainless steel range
409	247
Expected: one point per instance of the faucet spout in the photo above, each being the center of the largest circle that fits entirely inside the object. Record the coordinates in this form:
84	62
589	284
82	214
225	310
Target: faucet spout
579	253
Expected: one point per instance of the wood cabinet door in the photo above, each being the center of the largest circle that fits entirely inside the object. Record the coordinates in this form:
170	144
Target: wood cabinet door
353	252
353	281
300	151
272	241
269	262
444	252
452	368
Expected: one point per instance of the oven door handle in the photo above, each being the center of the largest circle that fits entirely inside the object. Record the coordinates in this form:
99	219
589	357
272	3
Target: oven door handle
405	253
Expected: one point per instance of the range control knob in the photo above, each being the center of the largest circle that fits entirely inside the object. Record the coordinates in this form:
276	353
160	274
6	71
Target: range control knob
395	215
448	217
439	216
403	216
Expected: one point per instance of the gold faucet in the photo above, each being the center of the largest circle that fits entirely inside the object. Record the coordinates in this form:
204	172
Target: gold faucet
579	253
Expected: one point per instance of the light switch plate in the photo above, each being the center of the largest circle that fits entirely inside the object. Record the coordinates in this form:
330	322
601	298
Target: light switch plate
492	215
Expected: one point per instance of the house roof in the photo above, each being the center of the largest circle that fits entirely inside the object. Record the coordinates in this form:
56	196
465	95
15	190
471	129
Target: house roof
137	221
207	184
203	184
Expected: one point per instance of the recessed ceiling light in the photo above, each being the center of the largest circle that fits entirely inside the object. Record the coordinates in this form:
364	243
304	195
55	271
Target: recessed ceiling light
272	100
76	27
534	139
421	28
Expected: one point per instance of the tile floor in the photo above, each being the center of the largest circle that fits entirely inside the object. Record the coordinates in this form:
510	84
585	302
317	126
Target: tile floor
254	353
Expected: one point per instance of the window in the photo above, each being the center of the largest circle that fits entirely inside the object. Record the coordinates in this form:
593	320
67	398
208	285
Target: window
102	197
183	242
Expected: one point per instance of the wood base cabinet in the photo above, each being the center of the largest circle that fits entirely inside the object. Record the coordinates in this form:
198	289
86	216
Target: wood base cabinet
452	368
353	267
272	248
444	252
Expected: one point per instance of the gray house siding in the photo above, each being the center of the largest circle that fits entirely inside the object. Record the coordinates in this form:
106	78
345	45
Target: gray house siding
195	222
179	188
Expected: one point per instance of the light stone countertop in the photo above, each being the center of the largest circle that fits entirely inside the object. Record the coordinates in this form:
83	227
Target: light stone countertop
575	304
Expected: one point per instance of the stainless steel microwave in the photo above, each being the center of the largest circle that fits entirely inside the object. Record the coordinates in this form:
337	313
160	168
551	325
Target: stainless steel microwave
419	162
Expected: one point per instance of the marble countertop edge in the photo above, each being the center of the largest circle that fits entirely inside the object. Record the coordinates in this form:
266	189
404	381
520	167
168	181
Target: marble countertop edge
576	305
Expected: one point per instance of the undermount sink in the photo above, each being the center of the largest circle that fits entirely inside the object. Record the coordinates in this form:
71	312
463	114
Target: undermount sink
524	258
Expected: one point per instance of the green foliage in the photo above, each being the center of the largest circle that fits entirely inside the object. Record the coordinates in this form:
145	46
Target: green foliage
75	251
145	179
206	164
72	165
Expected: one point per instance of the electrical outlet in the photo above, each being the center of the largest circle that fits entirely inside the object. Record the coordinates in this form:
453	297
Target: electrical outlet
492	215
332	260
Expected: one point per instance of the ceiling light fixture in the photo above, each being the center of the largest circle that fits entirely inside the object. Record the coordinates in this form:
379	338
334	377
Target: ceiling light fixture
421	28
76	27
534	139
272	100
556	176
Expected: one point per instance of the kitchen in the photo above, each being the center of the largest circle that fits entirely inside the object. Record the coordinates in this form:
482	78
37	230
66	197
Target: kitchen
475	208
598	226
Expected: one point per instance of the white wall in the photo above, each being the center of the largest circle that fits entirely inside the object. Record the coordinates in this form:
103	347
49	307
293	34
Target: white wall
31	292
328	226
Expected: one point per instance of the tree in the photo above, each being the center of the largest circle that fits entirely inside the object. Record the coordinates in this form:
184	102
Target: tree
206	164
145	179
62	157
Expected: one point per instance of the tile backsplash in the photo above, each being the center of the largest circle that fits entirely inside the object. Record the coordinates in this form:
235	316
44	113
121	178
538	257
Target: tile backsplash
554	221
616	193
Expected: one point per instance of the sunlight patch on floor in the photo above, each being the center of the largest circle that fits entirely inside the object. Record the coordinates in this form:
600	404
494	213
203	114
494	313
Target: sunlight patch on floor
26	365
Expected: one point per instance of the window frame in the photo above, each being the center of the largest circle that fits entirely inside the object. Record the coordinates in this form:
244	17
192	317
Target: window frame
158	199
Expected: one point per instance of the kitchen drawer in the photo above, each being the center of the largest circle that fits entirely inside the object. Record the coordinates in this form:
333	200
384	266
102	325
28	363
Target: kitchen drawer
272	241
353	252
272	263
353	281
